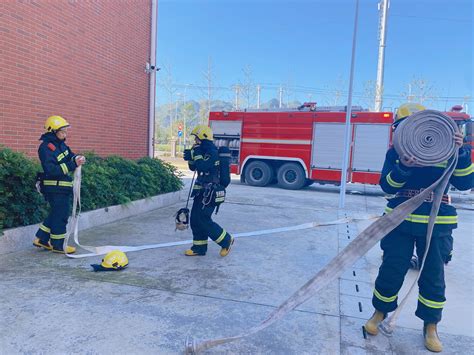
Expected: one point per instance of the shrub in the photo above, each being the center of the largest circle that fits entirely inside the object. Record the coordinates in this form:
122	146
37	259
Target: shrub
20	203
105	182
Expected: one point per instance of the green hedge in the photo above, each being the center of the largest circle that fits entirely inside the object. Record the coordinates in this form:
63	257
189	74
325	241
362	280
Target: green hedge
105	182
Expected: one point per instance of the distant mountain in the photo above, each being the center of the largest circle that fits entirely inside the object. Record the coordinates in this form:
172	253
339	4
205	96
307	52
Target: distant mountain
166	113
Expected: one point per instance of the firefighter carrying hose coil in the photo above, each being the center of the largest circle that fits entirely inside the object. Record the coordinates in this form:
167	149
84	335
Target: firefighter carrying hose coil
208	192
401	177
57	161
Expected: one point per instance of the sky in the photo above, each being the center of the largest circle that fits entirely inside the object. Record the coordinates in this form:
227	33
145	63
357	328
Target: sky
305	47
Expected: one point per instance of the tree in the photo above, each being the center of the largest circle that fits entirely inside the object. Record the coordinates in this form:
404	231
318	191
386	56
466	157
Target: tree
209	79
167	83
336	92
367	100
420	90
247	87
190	119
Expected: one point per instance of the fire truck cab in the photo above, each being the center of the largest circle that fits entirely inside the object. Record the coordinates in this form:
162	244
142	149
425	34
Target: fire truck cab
298	147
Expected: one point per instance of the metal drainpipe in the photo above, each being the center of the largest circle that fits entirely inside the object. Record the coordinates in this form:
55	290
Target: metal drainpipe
151	109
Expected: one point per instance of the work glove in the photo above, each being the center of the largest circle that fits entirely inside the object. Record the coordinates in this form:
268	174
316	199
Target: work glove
187	155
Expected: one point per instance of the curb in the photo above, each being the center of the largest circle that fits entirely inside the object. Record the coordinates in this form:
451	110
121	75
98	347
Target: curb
16	239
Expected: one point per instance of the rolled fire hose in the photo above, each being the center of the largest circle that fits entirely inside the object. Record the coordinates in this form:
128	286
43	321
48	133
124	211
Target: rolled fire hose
429	137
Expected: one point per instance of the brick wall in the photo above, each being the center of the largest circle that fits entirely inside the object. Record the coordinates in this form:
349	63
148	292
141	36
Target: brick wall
83	60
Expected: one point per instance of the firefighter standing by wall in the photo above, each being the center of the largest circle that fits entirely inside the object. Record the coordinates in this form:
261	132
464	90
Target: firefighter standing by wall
203	158
401	178
57	161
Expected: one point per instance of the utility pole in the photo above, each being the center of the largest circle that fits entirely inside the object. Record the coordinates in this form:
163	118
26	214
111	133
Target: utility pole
383	12
347	133
208	77
184	117
176	113
258	96
209	86
281	95
237	96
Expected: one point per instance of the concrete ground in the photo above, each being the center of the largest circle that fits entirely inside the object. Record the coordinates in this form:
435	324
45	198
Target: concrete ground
54	305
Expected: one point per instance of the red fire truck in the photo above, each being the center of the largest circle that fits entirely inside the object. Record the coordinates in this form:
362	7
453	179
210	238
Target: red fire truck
298	147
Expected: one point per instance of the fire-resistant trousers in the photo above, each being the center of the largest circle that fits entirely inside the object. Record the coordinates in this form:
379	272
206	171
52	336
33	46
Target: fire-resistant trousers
54	226
203	227
398	249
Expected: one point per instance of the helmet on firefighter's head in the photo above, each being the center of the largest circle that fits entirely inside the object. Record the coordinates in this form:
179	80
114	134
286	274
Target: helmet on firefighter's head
55	123
202	132
113	260
408	109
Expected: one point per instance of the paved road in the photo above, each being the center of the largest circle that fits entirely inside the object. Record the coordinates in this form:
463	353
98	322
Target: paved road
55	305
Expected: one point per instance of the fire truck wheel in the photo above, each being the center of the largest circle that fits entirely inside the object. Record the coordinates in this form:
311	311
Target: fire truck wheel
291	176
258	173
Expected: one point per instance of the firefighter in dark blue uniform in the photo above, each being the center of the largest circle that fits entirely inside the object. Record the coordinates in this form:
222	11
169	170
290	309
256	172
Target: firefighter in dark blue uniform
400	178
57	161
203	158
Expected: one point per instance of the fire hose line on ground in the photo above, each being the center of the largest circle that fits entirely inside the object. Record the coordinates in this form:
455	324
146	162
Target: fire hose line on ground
427	136
100	250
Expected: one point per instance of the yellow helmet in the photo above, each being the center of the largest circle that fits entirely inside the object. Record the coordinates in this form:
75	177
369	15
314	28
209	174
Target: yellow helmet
203	132
113	260
408	109
55	123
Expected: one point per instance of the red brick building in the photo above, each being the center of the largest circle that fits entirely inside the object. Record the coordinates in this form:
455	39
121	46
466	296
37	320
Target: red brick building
81	59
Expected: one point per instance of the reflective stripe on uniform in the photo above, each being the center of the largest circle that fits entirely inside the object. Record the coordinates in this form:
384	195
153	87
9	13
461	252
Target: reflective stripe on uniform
383	298
44	228
200	242
197	157
65	183
393	183
57	183
464	172
58	236
420	218
429	303
221	237
63	155
64	168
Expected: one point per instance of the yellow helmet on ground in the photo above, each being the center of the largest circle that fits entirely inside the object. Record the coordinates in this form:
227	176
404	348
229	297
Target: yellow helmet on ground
55	123
203	132
113	260
408	109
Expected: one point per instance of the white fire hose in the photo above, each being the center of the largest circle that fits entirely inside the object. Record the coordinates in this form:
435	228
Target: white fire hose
101	250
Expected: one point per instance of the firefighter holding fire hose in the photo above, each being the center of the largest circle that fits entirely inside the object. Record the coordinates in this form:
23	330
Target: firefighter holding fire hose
402	178
57	161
